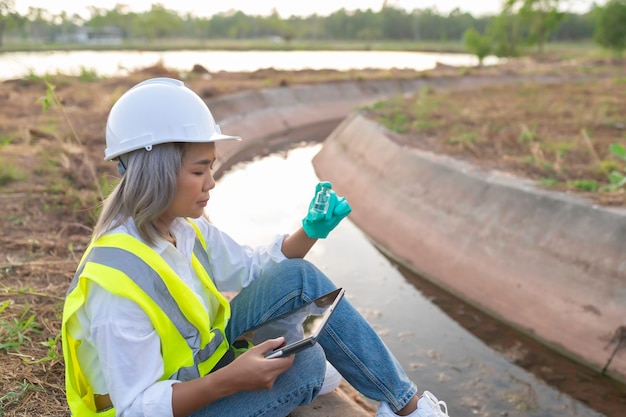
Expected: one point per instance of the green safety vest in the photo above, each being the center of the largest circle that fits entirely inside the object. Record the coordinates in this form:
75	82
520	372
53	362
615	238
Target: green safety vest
191	342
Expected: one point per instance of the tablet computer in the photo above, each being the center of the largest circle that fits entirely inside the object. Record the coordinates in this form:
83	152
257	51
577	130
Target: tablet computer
301	327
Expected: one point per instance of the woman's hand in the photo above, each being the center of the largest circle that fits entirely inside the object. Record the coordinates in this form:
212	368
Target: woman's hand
249	372
252	371
318	225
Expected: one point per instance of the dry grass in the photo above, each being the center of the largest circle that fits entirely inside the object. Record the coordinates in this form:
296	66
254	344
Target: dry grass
556	133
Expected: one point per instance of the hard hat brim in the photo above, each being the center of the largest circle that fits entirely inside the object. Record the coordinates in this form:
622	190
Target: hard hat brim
216	137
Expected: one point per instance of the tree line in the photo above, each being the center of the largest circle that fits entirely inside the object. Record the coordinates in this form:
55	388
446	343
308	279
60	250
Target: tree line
520	23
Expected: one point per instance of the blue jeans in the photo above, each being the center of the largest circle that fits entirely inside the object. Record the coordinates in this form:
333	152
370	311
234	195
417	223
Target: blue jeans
348	341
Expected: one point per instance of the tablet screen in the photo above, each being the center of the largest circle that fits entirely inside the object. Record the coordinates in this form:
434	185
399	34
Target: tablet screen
305	322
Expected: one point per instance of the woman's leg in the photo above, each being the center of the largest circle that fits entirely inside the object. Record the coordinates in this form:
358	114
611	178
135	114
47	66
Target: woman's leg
350	343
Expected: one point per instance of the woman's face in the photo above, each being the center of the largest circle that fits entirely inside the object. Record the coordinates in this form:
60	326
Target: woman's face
195	180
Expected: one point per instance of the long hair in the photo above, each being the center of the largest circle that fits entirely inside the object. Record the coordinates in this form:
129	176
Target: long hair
145	191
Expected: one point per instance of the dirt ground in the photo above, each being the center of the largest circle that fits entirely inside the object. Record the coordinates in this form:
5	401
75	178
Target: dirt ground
52	175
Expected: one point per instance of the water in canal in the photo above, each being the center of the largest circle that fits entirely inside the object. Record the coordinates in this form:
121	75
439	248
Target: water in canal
475	364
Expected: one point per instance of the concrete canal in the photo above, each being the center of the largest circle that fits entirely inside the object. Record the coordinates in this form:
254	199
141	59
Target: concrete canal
476	364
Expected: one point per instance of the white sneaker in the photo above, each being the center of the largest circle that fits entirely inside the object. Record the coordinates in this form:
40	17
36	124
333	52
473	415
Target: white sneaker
332	379
427	406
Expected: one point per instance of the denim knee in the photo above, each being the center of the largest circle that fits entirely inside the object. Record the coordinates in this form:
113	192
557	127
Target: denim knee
314	282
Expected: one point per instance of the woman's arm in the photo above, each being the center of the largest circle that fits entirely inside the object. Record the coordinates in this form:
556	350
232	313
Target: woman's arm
249	372
298	244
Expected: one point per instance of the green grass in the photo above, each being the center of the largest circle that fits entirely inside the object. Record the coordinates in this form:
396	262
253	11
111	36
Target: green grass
10	173
5	140
14	332
16	395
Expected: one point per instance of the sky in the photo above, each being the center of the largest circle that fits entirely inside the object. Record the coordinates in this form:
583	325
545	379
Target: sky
285	8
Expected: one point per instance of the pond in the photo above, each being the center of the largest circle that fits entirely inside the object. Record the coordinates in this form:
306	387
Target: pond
107	63
462	356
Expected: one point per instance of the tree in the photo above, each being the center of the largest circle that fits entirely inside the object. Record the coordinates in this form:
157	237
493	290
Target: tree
478	44
157	23
504	30
395	23
6	9
540	18
611	26
39	24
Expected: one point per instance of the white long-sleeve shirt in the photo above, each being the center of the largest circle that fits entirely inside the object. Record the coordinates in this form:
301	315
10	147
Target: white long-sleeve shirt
120	350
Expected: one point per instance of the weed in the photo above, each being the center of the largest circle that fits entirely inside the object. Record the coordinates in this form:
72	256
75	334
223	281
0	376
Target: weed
15	396
53	350
464	139
88	74
9	173
32	76
396	122
5	140
584	185
391	114
17	220
617	179
609	165
548	182
558	148
527	134
49	101
14	333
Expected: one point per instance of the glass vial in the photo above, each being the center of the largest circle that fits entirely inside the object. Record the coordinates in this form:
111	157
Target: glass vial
321	201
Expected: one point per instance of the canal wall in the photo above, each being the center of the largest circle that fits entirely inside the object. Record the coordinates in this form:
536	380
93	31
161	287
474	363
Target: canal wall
550	264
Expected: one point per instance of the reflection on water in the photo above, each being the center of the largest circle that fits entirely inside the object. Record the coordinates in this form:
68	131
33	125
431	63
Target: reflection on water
108	63
256	200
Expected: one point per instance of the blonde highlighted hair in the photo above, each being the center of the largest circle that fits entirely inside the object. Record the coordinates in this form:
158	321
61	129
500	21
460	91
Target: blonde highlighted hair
145	191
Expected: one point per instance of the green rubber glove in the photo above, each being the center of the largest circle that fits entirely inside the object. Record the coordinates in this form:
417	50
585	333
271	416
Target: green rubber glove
318	225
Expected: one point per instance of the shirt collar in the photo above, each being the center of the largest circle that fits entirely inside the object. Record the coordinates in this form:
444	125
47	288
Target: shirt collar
183	232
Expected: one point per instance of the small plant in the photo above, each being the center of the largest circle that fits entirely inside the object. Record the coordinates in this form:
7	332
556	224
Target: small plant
15	396
9	173
466	139
548	182
14	333
50	101
617	179
32	76
5	140
88	74
527	135
53	350
396	122
391	114
584	185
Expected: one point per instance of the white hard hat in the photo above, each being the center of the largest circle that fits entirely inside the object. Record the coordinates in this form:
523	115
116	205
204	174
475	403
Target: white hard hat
159	110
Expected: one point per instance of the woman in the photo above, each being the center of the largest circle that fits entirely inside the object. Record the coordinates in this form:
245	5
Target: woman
146	330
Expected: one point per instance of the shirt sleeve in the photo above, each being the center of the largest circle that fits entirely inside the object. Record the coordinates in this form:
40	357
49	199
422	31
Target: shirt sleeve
129	352
235	266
